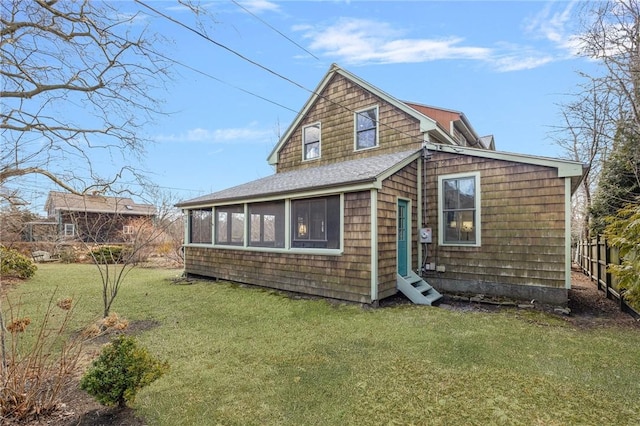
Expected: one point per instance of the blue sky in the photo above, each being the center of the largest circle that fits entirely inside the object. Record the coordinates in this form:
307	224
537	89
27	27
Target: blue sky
505	64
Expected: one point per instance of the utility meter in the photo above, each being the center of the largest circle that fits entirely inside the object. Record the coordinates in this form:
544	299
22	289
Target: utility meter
425	235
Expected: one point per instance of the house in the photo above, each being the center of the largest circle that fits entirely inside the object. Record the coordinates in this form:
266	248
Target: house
95	218
373	196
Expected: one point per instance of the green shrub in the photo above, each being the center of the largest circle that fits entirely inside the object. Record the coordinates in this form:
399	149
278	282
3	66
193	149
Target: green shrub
14	264
623	232
121	370
110	254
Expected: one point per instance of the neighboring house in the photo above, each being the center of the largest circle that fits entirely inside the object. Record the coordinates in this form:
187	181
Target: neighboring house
95	218
370	192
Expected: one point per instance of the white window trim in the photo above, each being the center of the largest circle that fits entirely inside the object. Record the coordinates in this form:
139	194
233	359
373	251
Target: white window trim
355	128
478	212
127	230
73	230
319	141
287	229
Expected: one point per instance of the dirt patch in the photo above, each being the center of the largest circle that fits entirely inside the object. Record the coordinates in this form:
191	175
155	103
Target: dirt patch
587	307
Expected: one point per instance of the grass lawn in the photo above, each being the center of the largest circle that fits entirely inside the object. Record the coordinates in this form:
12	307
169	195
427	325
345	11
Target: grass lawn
243	356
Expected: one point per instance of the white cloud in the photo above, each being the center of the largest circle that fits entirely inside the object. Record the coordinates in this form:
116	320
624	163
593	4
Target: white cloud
555	27
361	41
358	41
259	6
230	135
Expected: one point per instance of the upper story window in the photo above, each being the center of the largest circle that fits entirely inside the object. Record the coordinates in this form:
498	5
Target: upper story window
127	230
459	209
367	128
311	141
230	225
200	226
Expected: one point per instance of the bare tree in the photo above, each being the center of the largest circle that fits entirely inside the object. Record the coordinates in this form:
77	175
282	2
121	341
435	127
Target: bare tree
612	37
609	36
117	242
586	136
78	80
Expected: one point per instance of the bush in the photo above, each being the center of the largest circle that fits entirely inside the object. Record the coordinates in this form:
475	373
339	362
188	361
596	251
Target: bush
110	254
623	232
14	264
121	370
40	362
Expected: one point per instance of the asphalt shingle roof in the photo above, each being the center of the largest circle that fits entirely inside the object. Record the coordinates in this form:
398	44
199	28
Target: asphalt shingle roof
97	204
330	175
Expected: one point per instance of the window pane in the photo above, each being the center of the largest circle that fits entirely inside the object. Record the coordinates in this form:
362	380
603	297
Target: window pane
200	226
255	228
367	139
316	223
318	219
237	228
301	213
367	119
311	134
312	150
450	194
268	228
222	234
267	224
467	190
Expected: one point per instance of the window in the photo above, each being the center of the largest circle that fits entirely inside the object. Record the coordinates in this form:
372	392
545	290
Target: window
315	223
311	141
460	205
127	230
200	226
367	128
69	230
266	228
230	225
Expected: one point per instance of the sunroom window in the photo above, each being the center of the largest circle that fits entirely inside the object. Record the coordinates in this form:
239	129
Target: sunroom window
266	228
230	225
311	141
315	223
460	201
200	226
367	128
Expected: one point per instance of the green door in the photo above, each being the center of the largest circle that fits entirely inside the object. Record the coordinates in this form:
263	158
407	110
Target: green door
403	236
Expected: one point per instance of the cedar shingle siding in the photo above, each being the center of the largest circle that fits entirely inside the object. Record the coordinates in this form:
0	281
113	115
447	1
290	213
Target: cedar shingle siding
344	277
335	111
523	226
523	238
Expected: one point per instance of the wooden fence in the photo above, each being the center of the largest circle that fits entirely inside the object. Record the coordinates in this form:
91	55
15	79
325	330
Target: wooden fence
594	258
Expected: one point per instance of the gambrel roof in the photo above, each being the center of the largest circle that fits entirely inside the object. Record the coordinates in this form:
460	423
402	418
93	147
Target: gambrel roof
64	201
361	173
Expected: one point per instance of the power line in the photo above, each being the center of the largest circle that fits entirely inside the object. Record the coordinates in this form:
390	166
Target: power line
274	29
265	68
228	49
218	80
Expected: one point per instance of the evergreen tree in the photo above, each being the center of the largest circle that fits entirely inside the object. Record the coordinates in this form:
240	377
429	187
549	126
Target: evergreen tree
619	182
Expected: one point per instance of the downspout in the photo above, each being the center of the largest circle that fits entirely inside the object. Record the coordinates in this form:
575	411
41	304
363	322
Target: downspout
424	247
374	245
567	233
